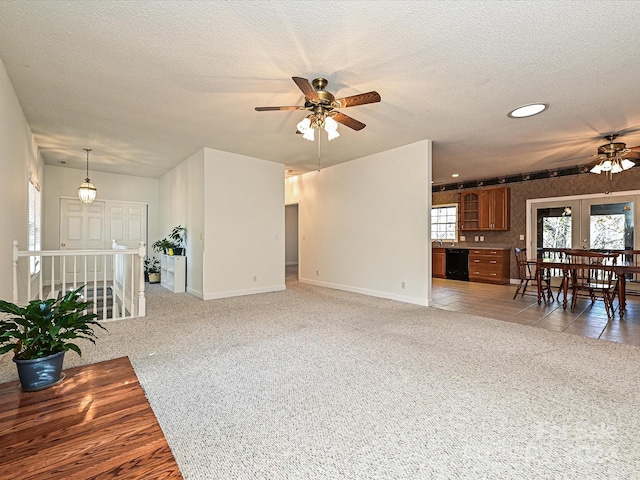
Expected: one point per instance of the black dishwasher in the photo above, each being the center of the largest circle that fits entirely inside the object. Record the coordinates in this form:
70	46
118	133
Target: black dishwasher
458	263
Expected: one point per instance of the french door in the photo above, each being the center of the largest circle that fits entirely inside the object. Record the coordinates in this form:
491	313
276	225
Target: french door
94	226
587	222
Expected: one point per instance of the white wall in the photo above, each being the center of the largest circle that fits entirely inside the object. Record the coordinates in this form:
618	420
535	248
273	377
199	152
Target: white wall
182	203
244	225
18	151
291	234
233	209
364	224
64	182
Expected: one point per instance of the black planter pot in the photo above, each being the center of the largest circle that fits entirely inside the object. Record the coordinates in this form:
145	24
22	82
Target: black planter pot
40	373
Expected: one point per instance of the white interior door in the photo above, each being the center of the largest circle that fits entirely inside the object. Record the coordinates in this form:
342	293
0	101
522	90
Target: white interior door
82	227
94	226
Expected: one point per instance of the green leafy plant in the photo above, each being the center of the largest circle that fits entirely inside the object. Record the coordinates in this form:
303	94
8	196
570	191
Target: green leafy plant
175	239
151	265
45	327
162	245
178	236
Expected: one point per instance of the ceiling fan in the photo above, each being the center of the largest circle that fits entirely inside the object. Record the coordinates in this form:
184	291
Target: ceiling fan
324	108
614	157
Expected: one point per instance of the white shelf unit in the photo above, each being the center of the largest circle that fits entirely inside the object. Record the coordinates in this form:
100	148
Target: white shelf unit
173	269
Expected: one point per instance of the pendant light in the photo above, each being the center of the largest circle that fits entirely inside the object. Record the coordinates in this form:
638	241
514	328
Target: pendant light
87	191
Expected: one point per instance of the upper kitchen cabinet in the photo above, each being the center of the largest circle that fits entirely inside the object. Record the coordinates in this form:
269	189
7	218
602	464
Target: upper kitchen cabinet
494	209
470	210
486	209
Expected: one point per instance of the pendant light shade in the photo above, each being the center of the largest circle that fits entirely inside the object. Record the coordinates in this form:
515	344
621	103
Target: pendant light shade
87	190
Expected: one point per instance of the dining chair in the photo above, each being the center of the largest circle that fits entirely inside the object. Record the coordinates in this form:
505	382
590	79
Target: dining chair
556	274
631	257
527	275
590	277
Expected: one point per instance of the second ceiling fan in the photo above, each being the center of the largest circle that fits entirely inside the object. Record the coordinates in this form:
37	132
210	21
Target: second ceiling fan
324	108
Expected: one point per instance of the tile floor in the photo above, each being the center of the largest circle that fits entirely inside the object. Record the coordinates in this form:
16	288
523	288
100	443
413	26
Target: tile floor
496	301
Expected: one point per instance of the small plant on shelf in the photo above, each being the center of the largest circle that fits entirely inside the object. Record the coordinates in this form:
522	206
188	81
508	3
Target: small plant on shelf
172	244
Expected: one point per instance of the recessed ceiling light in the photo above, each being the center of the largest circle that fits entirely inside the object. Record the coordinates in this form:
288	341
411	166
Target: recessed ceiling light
455	175
528	110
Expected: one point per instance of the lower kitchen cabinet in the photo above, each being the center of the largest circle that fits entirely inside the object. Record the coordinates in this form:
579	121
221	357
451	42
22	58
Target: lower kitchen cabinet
489	265
439	262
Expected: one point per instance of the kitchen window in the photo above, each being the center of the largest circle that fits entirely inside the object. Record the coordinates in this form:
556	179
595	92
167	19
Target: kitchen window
444	223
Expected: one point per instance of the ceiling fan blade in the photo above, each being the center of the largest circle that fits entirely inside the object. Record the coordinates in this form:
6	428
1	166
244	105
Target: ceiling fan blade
308	91
361	99
635	149
348	121
269	109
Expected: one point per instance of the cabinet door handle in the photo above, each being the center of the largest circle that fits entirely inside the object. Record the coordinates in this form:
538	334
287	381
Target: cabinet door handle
493	261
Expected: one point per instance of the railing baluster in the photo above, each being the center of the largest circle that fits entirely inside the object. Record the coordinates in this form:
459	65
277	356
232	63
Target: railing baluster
53	275
133	283
104	287
63	287
75	271
95	284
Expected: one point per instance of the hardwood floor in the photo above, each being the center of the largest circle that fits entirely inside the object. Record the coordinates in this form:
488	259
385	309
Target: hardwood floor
97	423
496	301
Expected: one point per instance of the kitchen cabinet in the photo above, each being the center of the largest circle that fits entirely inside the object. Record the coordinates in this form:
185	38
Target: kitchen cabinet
470	210
489	265
494	209
486	209
439	262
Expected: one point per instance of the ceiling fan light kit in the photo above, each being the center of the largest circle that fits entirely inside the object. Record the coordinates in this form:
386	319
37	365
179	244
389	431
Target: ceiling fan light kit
612	157
324	108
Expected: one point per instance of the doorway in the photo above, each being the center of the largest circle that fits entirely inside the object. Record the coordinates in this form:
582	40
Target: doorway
291	250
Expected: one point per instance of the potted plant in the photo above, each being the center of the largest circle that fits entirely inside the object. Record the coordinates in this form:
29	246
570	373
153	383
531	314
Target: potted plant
40	333
163	245
172	244
152	269
178	236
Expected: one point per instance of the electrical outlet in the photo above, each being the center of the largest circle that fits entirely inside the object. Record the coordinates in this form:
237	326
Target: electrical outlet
476	238
462	238
521	237
482	238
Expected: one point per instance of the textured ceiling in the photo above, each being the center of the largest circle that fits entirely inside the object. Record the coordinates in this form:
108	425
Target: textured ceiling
146	84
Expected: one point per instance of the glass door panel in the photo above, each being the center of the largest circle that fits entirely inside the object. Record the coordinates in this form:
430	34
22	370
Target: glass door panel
608	224
555	226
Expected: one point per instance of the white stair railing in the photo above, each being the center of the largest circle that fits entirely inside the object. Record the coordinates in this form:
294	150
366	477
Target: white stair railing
112	280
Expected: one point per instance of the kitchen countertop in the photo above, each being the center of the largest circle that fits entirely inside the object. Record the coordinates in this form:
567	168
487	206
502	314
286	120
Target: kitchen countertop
472	247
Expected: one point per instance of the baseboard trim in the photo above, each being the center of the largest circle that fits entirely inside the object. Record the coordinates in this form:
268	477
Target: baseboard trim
240	293
423	302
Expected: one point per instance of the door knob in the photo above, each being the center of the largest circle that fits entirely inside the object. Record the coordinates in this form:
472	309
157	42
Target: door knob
63	244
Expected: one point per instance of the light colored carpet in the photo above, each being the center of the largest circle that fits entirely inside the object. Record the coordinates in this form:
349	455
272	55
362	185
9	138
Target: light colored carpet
313	383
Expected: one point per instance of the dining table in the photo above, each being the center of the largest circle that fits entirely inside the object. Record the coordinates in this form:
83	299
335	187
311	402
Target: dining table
621	269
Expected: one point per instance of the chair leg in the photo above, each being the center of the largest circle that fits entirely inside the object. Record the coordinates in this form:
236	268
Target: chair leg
518	289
